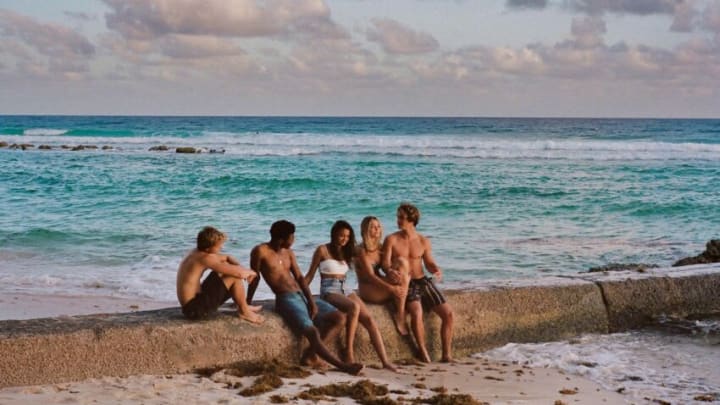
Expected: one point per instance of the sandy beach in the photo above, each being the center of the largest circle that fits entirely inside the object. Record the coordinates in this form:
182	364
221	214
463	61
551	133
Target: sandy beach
29	306
469	381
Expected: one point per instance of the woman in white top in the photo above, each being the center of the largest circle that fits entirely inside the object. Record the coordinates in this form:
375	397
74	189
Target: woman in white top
333	260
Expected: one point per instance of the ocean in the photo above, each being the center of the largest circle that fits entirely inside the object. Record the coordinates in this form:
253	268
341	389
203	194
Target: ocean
500	198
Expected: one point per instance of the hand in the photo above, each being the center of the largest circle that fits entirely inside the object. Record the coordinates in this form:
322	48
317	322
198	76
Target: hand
394	276
438	276
248	275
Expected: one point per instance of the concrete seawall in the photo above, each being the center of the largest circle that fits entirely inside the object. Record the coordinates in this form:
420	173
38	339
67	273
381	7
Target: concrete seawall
50	350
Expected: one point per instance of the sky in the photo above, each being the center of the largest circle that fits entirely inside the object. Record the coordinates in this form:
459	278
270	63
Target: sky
531	58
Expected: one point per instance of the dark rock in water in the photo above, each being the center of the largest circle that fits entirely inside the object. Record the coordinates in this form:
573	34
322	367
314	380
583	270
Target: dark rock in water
66	147
3	144
22	146
106	147
639	267
158	148
186	149
79	147
217	150
45	147
91	147
710	255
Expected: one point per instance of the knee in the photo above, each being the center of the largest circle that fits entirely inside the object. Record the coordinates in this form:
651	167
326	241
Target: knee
353	311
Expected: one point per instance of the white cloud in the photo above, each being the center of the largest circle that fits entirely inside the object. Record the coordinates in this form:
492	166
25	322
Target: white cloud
396	38
147	19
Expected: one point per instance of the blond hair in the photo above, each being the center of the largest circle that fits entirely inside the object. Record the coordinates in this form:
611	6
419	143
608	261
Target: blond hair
208	237
365	231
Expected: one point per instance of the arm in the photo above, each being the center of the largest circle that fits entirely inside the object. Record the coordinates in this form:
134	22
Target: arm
295	269
386	255
429	260
255	265
317	257
387	262
220	264
232	260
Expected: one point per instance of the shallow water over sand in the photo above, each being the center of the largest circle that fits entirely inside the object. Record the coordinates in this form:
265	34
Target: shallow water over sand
674	361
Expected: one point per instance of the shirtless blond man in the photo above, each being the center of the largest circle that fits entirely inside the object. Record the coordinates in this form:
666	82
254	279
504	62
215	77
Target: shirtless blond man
224	281
422	293
277	264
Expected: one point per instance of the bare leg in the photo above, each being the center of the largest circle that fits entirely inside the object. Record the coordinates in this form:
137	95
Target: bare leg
317	346
352	312
400	297
418	329
237	291
252	286
375	338
318	339
445	313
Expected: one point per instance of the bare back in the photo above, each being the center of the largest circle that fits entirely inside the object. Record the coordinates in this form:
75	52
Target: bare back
278	268
189	274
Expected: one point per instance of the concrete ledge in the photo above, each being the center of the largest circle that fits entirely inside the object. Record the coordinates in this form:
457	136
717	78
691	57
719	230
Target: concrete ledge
51	350
635	299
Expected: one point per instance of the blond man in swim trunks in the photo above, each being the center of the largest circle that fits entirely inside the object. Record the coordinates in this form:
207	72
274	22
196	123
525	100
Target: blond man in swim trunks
422	295
225	280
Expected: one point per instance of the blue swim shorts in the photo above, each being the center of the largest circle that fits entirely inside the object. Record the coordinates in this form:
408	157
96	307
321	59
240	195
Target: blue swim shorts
292	306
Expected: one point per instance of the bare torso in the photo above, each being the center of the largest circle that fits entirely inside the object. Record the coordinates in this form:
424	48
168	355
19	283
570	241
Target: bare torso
275	267
412	248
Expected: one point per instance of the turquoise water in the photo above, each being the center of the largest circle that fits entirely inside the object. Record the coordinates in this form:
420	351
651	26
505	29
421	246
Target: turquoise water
500	198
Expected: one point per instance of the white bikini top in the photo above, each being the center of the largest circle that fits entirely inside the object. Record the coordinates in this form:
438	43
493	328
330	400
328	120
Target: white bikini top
333	267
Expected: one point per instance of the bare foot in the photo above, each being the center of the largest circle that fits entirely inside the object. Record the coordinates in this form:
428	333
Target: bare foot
353	368
348	356
252	318
447	360
423	355
255	308
391	367
310	359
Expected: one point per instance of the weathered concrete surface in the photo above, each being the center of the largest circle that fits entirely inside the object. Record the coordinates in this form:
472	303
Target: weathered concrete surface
52	350
634	299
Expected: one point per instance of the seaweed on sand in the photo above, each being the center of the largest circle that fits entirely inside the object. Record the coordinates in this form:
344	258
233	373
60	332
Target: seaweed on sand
262	384
363	390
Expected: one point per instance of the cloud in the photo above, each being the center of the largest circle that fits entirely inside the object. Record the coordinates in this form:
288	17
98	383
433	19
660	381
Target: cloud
80	16
48	39
396	38
41	50
711	18
588	31
148	19
523	4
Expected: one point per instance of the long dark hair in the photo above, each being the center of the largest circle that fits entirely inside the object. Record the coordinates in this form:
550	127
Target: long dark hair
346	252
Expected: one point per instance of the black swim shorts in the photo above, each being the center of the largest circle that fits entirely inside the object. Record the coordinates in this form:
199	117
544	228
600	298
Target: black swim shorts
213	293
424	289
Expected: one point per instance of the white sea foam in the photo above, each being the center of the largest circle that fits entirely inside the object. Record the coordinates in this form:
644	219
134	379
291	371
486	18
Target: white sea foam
44	132
473	147
644	365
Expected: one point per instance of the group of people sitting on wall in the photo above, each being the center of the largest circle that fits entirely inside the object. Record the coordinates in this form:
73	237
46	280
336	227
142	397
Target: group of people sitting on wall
389	271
